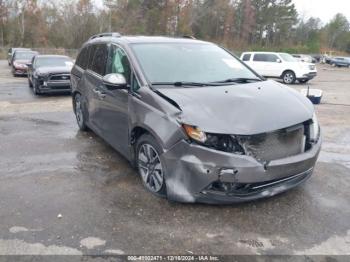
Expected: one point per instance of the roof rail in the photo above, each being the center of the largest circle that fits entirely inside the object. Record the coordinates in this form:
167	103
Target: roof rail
111	34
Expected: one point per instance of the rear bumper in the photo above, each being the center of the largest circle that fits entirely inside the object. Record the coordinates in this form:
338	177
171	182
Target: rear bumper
198	174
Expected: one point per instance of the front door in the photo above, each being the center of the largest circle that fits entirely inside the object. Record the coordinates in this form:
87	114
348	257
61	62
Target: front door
113	106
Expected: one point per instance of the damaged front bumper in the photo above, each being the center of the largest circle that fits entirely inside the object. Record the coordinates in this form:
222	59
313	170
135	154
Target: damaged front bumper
196	173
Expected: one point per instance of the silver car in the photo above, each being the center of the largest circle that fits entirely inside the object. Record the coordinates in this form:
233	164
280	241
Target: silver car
195	121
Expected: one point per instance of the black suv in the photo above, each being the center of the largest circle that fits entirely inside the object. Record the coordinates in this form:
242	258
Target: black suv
198	123
50	74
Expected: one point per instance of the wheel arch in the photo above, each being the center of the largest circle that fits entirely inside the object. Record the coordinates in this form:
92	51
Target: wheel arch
287	70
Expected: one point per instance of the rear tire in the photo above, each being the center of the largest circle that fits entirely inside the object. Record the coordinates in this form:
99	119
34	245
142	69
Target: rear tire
30	83
80	112
150	166
288	77
303	81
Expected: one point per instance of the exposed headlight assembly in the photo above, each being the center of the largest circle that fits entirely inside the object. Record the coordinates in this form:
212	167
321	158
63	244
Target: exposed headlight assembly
221	142
314	129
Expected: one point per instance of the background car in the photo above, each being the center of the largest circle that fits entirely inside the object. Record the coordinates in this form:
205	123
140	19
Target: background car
340	62
280	65
50	74
20	60
11	52
304	58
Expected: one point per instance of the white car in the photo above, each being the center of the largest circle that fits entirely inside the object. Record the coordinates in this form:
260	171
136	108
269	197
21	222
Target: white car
279	65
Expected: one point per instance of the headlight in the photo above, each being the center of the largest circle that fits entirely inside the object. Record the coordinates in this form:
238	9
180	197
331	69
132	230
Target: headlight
221	142
314	129
195	133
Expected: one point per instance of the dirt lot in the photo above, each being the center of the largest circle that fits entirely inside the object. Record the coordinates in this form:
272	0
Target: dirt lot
67	192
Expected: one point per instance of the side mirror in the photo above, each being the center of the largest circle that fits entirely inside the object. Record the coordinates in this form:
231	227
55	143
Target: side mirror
114	81
278	60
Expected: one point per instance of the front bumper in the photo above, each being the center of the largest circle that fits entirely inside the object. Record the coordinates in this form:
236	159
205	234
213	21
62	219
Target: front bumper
19	72
307	76
54	87
191	170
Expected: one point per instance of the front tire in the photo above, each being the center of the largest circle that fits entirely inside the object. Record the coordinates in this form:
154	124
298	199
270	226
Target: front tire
30	83
35	88
150	166
80	112
288	77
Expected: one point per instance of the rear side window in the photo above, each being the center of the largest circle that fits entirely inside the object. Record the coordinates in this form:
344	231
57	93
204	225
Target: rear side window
246	57
265	58
99	56
83	58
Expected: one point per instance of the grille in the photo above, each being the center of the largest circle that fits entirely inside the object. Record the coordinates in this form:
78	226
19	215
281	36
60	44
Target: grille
60	77
275	145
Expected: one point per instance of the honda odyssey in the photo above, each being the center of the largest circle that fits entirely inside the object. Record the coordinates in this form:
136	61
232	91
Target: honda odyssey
195	121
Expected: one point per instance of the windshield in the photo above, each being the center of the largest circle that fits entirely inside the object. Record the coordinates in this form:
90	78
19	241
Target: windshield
53	61
24	55
287	57
179	62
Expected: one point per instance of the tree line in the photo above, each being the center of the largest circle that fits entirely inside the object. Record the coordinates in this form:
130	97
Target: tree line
236	24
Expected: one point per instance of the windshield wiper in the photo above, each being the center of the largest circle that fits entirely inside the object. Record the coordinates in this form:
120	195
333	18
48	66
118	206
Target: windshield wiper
239	80
182	83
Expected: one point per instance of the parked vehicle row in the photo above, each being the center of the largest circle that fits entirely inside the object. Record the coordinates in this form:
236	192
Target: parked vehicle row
197	122
46	73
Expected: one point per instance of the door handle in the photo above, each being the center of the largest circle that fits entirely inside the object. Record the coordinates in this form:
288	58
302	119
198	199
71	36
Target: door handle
101	95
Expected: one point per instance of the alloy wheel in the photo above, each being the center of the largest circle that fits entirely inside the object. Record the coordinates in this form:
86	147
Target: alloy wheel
150	168
288	78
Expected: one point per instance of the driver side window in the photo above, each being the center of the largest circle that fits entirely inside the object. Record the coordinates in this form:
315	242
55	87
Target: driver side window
119	63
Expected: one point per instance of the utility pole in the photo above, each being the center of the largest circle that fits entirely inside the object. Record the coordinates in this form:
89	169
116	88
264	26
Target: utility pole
111	5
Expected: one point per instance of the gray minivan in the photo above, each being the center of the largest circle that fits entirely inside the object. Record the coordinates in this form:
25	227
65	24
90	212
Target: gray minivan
197	123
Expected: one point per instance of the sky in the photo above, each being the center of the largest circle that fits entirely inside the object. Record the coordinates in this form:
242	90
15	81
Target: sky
324	9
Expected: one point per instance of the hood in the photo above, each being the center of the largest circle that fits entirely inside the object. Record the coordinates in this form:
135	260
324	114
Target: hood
54	70
244	109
